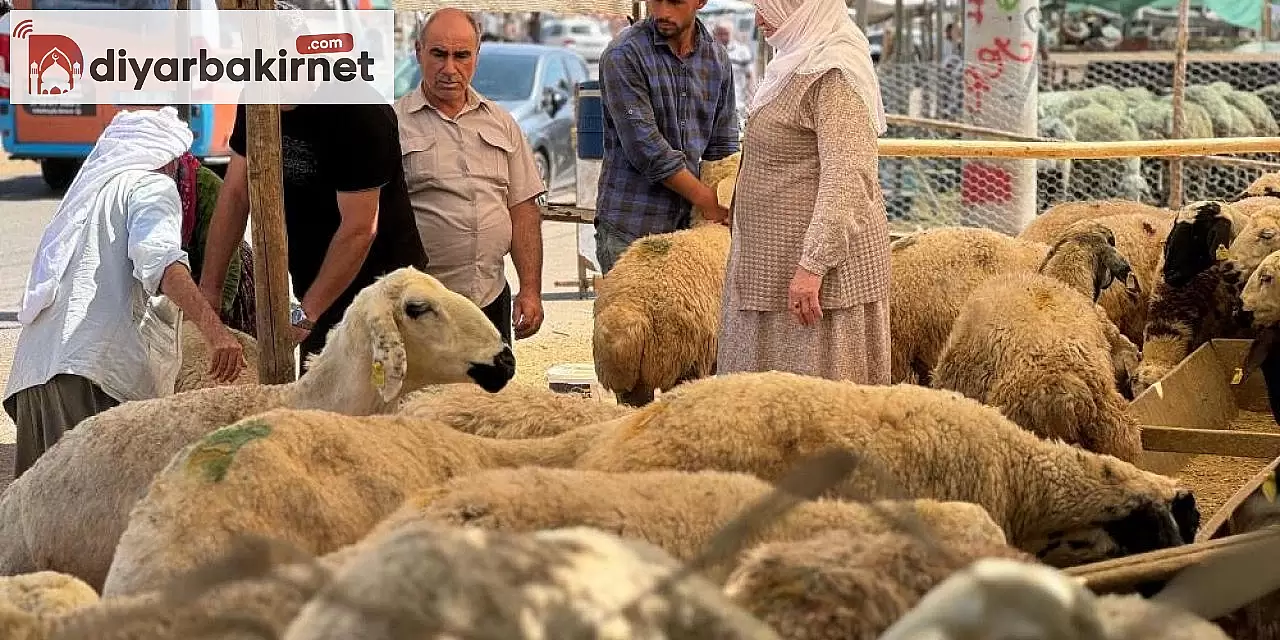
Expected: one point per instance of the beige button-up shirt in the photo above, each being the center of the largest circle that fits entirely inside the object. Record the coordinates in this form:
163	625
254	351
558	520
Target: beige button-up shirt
464	174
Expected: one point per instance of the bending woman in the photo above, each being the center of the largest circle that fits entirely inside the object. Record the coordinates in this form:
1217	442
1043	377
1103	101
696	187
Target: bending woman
808	276
198	186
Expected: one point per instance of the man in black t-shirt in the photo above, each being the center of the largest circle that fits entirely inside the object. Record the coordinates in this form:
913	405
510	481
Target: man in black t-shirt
347	214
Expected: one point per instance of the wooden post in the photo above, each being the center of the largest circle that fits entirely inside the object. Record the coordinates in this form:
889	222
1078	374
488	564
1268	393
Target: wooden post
270	245
1179	91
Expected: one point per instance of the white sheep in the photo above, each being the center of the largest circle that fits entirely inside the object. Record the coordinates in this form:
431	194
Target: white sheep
679	511
657	312
518	411
422	580
1258	238
319	480
401	333
1049	225
1038	348
916	443
999	598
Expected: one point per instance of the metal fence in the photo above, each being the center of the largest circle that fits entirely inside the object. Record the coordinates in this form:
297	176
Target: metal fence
1091	101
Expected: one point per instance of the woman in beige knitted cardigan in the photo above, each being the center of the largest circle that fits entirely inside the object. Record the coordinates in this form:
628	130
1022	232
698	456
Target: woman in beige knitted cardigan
808	278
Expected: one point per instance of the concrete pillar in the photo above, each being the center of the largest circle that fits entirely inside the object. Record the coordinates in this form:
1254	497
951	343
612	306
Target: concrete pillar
1000	87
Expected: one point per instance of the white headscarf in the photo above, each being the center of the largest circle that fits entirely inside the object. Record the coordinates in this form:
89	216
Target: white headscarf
813	37
143	140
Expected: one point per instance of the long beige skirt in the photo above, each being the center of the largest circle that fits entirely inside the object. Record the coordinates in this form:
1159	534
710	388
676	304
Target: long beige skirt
845	344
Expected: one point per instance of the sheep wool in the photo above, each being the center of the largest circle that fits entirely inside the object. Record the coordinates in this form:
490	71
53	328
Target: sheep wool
841	585
913	441
657	312
1198	294
1259	238
422	581
933	273
45	594
1045	355
518	411
721	175
318	481
194	372
67	512
1267	184
1050	225
678	511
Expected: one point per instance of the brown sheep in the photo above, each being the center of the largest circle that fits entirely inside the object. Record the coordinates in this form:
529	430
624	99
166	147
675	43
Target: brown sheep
518	411
1043	353
933	273
657	312
679	511
840	585
1048	226
931	444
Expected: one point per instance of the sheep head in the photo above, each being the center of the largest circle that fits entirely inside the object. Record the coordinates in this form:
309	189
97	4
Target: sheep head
1267	184
1199	232
1261	294
1088	245
415	332
1258	239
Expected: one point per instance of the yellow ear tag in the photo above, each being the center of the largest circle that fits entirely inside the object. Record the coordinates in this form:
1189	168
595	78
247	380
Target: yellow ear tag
1237	376
379	375
1223	253
1269	487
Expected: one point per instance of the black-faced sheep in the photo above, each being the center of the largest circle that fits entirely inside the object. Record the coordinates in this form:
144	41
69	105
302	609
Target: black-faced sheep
1198	294
839	585
933	273
679	511
403	332
1038	348
518	411
930	443
317	480
657	312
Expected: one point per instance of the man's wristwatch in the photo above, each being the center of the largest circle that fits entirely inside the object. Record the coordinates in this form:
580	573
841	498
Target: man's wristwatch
299	319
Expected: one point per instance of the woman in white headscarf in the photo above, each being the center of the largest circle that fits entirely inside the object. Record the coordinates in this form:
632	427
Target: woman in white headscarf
95	331
808	279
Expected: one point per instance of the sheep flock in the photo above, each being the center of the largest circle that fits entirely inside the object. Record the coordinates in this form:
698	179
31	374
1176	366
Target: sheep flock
406	487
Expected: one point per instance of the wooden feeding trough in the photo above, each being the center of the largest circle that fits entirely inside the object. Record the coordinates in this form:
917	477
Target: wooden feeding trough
1202	424
1217	436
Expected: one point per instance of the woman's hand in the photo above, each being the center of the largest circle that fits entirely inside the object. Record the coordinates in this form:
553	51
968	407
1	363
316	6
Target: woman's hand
802	297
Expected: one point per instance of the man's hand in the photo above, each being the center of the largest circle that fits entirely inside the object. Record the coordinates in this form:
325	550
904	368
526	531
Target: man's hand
213	297
527	312
226	354
709	203
802	296
298	334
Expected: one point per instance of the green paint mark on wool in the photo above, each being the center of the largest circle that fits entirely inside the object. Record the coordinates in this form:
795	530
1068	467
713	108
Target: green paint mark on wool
212	456
655	246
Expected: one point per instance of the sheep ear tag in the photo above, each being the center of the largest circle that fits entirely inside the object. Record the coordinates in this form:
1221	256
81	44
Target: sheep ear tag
378	375
1223	253
1131	285
1269	487
1237	377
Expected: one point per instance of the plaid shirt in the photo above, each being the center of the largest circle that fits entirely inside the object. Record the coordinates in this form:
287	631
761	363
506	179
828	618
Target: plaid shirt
661	113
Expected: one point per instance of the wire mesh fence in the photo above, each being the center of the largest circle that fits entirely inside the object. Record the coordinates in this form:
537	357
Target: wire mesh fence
1126	98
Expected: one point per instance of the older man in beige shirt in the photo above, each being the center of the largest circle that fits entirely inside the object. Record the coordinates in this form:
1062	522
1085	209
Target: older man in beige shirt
472	179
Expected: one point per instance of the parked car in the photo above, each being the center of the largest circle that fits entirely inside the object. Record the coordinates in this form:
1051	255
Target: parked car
534	83
585	36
